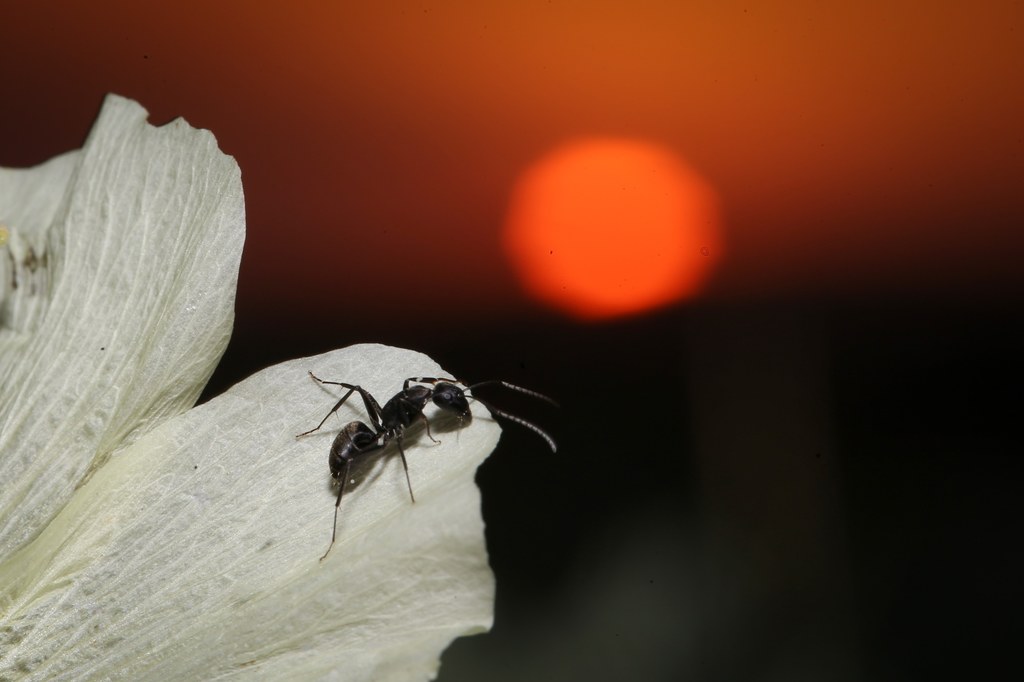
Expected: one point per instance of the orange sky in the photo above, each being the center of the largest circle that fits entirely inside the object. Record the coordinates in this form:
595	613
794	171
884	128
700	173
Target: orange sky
872	149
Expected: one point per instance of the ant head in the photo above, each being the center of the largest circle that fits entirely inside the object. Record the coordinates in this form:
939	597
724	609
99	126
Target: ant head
451	398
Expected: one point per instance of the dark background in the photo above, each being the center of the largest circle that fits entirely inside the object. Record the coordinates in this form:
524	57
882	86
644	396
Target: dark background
804	472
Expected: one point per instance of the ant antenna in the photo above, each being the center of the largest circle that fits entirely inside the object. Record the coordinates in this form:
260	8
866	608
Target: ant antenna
519	420
520	389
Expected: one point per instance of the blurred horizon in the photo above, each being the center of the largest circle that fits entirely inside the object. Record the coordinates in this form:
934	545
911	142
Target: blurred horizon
854	150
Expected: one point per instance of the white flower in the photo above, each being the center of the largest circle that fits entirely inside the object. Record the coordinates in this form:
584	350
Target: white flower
141	539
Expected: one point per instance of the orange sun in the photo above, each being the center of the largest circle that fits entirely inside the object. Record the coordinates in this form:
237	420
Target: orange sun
607	227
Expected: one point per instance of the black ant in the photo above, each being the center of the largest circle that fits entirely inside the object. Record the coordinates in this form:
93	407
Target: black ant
389	423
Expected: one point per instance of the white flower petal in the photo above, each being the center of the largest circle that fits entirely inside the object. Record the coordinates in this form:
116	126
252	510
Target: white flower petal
119	282
194	553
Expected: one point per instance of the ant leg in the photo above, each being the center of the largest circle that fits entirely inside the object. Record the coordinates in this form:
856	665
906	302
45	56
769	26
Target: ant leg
341	491
372	408
333	410
371	404
405	464
426	422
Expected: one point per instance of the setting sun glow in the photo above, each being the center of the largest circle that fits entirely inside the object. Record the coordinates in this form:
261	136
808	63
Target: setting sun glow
608	227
